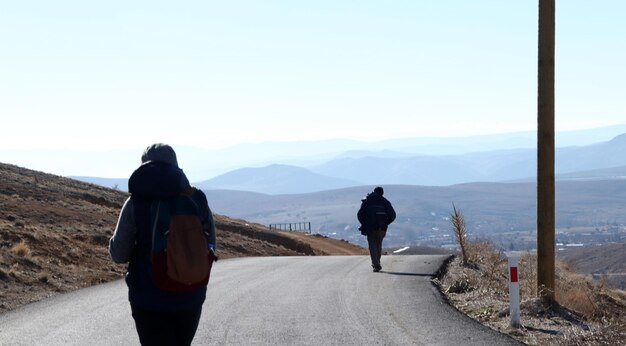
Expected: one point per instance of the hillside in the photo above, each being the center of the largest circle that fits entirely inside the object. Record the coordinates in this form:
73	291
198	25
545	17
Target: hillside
605	262
55	231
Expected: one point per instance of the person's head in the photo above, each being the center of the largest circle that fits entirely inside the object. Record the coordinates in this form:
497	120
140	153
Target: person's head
379	190
160	152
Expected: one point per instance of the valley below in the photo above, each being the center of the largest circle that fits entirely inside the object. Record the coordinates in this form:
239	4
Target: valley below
587	212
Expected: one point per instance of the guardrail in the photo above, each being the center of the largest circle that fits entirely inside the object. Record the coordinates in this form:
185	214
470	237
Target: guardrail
296	226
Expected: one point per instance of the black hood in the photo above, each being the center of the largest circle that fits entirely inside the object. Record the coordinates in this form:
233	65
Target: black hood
155	179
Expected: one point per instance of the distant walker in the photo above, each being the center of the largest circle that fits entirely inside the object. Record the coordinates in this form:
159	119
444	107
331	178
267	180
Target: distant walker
375	215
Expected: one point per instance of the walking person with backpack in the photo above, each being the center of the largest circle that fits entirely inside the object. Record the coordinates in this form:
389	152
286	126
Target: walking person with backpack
375	215
166	234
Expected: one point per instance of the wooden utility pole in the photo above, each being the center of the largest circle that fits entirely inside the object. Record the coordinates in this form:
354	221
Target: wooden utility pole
545	153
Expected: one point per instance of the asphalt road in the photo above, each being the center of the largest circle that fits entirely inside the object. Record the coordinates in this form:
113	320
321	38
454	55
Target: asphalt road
274	301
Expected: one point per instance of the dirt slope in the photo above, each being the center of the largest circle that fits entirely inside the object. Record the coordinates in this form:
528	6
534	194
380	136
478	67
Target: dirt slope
606	262
54	234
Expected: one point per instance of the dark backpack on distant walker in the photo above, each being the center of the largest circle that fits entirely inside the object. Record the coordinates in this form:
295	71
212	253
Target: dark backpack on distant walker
181	260
376	217
381	219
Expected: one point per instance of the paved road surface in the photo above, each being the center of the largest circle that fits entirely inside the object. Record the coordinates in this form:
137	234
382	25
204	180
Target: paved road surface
274	301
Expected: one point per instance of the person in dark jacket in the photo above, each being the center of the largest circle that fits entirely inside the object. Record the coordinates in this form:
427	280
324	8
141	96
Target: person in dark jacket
375	215
161	318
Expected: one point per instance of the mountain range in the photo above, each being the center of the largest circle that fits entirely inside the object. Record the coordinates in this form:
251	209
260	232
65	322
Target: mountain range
276	179
596	161
203	163
602	160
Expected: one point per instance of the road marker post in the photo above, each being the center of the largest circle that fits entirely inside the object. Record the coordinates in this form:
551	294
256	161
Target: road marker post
514	306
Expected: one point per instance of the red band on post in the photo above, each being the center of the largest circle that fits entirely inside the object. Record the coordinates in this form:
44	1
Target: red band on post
513	274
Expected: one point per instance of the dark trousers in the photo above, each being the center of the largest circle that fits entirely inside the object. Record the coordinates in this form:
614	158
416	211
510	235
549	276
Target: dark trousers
165	328
375	242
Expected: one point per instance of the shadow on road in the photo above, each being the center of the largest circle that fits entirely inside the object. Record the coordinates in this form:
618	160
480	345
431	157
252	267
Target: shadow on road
407	274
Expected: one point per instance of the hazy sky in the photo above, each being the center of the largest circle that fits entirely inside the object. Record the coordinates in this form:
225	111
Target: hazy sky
123	74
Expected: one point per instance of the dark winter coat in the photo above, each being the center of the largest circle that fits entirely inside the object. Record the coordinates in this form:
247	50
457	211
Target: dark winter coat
376	213
152	181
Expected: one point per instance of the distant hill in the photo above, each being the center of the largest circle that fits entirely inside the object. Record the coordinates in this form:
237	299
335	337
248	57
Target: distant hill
275	179
601	155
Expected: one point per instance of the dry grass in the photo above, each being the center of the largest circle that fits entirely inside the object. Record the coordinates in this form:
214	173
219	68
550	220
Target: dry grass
21	249
587	312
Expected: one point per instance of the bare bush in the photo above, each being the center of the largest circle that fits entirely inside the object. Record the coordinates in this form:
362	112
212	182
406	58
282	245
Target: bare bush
21	249
492	262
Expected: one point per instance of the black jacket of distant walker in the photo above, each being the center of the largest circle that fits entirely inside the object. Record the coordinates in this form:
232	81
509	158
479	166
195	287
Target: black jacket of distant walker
373	208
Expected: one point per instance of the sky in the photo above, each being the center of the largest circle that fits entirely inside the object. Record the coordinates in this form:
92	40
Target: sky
100	75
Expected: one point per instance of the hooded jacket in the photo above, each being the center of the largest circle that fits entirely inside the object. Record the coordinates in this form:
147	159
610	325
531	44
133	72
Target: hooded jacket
375	213
132	241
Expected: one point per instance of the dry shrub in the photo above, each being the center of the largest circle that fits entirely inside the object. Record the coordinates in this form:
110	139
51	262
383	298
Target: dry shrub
602	310
21	249
573	291
482	256
490	263
576	293
528	275
461	285
486	270
485	254
460	232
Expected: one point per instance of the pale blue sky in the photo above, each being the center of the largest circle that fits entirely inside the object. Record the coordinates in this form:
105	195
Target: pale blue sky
124	74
